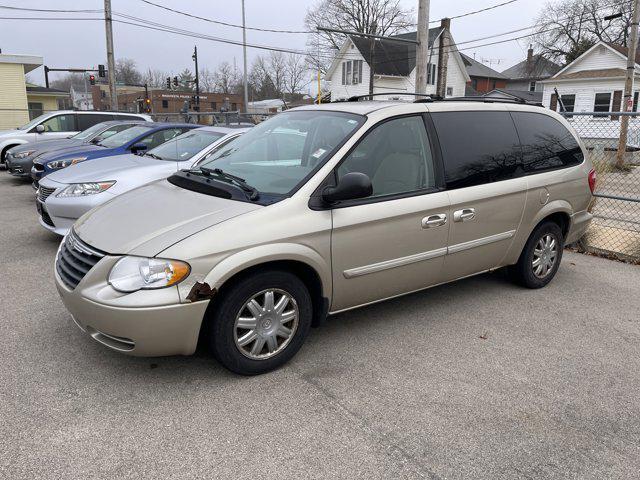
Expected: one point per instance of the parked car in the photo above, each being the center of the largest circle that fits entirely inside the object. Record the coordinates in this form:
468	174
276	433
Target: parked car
323	209
66	195
19	160
58	124
136	140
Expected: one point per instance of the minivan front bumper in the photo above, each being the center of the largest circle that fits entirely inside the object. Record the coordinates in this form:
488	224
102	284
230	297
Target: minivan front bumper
145	331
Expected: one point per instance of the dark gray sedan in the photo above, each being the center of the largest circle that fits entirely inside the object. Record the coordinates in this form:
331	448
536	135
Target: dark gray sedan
19	160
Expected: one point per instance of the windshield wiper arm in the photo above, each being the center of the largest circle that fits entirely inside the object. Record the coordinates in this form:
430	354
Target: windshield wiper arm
153	155
252	192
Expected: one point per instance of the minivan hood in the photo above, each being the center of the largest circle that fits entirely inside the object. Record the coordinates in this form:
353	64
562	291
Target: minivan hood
102	169
151	218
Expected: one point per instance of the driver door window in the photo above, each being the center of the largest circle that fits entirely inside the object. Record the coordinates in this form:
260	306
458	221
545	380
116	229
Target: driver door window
158	138
396	156
60	123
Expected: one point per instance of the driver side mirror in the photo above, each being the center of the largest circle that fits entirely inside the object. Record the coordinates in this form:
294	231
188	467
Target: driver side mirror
138	148
350	187
39	128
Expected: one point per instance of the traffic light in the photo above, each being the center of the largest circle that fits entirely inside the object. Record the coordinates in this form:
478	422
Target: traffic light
92	79
175	81
168	83
147	102
101	71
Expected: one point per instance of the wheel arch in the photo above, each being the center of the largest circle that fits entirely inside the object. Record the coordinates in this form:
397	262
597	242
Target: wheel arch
10	144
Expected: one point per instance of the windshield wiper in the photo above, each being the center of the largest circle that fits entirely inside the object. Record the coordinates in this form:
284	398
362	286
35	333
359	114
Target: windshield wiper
252	192
153	155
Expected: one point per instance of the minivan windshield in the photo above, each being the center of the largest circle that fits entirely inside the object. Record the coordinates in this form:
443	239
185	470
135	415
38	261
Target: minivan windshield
185	146
124	137
89	132
276	155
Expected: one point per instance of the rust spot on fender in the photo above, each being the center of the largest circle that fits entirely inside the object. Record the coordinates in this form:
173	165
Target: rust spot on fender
201	291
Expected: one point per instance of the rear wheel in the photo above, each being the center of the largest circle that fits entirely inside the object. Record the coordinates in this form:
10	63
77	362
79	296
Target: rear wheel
261	322
540	258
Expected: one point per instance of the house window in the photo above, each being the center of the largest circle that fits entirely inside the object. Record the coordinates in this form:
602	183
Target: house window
493	84
449	91
532	86
635	102
214	106
234	106
431	74
602	103
568	101
352	72
474	83
165	103
35	110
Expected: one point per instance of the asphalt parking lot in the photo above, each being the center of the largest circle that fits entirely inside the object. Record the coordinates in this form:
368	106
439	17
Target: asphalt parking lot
476	379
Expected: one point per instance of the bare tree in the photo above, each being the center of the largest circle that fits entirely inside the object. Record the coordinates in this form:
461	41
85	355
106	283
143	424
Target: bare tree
383	17
568	28
276	69
226	79
65	82
296	74
207	80
127	72
155	78
260	82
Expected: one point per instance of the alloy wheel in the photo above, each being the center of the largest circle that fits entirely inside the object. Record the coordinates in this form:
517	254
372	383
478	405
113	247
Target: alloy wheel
544	256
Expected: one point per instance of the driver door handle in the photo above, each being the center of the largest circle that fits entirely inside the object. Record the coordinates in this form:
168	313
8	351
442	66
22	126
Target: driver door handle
464	215
434	220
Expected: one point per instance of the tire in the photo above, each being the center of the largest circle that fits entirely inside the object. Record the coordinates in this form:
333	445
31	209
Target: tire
232	322
524	272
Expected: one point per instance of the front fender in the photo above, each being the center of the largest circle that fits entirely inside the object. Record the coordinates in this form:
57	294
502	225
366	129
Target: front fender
13	142
261	254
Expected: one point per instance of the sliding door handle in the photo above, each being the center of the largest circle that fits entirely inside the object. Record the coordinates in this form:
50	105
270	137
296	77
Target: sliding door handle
464	215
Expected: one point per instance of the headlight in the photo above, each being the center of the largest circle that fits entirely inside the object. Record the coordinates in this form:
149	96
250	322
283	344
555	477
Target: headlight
56	164
21	155
82	189
131	274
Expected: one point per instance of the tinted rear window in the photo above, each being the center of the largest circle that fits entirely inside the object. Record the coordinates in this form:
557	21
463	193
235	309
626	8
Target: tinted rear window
477	147
546	143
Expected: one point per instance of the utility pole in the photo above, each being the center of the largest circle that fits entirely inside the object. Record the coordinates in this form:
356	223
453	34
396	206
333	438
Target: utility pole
443	58
244	54
372	58
627	102
422	49
111	63
195	59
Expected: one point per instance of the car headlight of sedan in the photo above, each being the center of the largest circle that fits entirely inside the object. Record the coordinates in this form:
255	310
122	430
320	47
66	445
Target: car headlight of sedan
57	164
83	189
21	155
131	274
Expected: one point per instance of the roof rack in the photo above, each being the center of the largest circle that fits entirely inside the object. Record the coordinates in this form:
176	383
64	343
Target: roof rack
519	101
357	98
427	98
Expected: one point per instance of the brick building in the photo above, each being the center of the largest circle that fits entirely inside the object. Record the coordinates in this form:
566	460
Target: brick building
132	99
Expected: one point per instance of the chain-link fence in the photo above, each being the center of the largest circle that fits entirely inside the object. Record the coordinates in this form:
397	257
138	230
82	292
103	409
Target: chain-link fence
212	118
615	230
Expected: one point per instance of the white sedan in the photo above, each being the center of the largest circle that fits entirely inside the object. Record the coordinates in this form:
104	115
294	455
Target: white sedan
66	195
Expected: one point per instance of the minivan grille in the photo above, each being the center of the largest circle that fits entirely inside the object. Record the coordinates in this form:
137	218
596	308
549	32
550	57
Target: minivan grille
75	259
44	193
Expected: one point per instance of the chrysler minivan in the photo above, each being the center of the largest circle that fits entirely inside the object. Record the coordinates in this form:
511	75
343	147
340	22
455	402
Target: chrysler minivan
319	210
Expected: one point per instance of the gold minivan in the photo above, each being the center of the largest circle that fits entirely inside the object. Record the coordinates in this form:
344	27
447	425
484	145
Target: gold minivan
323	209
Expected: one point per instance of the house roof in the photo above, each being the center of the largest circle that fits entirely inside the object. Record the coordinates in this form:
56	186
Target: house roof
584	74
38	90
623	50
392	58
478	69
521	94
540	67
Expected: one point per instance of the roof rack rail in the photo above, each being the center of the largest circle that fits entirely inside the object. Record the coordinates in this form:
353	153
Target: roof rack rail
519	101
357	98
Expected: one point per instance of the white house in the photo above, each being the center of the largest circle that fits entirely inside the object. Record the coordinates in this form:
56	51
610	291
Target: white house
593	82
394	68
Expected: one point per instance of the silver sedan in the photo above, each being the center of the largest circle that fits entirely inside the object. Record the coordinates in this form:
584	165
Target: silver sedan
65	196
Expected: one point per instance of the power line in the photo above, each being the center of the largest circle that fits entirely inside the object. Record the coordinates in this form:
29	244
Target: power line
226	24
477	11
49	10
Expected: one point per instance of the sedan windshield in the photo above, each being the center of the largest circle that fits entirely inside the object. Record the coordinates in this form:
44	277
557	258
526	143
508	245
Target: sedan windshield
185	146
89	132
34	122
124	137
275	156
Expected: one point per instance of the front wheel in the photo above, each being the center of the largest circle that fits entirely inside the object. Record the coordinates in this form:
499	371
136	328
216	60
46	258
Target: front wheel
540	258
261	322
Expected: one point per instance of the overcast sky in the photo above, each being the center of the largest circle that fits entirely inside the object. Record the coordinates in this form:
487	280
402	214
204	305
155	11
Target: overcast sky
82	44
